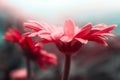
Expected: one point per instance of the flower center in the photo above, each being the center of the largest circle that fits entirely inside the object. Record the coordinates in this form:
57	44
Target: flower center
69	47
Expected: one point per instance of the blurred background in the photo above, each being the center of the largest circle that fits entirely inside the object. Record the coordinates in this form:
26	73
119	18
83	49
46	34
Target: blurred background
92	61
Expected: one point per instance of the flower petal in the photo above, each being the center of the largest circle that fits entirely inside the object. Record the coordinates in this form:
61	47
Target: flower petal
107	34
34	34
84	31
83	41
56	35
32	26
105	30
65	39
108	29
69	27
99	40
99	27
44	41
46	36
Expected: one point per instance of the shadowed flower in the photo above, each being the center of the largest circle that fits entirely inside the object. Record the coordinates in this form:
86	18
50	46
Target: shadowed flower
69	38
32	50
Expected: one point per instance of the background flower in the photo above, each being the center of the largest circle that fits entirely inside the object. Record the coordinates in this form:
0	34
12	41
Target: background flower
32	50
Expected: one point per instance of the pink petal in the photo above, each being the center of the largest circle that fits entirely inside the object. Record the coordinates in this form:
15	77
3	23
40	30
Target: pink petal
69	27
43	32
16	33
65	39
44	41
107	34
39	24
51	59
99	40
40	33
84	31
56	35
43	26
107	29
32	26
47	27
83	41
34	34
99	27
46	36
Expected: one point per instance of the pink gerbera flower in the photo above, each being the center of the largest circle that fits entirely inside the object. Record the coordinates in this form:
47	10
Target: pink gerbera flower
32	50
70	38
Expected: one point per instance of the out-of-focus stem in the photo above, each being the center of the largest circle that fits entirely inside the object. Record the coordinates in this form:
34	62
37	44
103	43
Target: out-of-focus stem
28	69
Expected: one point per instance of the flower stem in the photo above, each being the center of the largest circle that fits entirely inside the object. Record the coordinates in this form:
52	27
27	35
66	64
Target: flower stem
28	69
67	64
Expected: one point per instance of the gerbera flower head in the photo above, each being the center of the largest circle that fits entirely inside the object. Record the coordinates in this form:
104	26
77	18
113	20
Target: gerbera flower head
32	50
70	38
